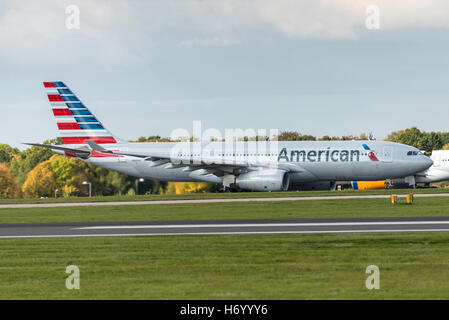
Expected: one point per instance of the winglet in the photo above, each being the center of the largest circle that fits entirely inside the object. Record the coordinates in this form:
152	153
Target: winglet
97	147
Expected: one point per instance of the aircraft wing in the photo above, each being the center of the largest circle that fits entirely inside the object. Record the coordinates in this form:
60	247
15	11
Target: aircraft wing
208	163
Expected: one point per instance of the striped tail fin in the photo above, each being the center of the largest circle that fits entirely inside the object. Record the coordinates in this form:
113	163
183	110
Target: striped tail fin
76	123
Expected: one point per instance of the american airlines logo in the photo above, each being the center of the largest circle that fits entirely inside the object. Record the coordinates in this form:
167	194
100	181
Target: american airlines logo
326	155
319	155
372	156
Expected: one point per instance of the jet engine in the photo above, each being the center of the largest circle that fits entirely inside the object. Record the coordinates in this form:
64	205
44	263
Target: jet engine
264	180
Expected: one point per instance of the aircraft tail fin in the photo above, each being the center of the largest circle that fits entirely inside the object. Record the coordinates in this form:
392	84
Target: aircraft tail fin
76	124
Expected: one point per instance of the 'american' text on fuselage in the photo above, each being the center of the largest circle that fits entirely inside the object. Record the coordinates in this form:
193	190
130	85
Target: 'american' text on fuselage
319	155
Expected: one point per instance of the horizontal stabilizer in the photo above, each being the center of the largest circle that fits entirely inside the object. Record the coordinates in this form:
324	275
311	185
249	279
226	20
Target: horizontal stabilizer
82	153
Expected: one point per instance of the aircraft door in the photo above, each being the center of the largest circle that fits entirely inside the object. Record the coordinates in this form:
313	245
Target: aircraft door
437	160
387	154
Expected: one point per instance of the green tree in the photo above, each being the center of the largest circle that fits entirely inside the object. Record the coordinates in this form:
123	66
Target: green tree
107	182
430	141
444	136
294	136
411	136
7	153
422	140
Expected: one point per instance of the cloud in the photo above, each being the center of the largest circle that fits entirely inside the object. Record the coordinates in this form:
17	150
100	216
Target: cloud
123	31
33	31
311	18
213	41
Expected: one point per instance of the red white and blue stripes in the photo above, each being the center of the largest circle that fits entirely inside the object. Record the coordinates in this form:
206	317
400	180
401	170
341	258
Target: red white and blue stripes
76	123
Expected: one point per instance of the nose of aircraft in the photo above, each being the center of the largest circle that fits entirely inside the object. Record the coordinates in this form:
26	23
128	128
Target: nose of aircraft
425	162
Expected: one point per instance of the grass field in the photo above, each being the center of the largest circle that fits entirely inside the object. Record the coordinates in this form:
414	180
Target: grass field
412	266
286	266
194	196
345	208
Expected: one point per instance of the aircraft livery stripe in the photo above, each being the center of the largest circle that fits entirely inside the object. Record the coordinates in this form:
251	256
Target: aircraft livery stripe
62	112
82	140
68	126
75	122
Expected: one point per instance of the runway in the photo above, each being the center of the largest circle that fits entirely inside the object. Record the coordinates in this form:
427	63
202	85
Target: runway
223	200
223	227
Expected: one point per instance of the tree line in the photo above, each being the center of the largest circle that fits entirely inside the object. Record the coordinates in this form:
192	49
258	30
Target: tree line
38	172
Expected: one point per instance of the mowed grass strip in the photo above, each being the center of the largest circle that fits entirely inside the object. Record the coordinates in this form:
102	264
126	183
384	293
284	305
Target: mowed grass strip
345	208
412	266
236	195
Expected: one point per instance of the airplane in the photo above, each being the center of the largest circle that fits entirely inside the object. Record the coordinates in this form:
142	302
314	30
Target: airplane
252	166
438	172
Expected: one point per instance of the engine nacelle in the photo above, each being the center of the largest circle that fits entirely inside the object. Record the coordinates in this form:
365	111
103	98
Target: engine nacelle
264	180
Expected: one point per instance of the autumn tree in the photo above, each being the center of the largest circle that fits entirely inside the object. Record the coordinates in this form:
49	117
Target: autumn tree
40	182
188	187
28	159
59	172
8	186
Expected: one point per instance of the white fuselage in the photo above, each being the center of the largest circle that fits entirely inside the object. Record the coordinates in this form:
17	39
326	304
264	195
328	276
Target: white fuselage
439	171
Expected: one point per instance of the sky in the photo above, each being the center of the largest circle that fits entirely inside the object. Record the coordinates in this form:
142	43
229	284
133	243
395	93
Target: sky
150	67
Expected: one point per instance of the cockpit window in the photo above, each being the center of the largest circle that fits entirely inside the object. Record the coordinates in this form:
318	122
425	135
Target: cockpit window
412	153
